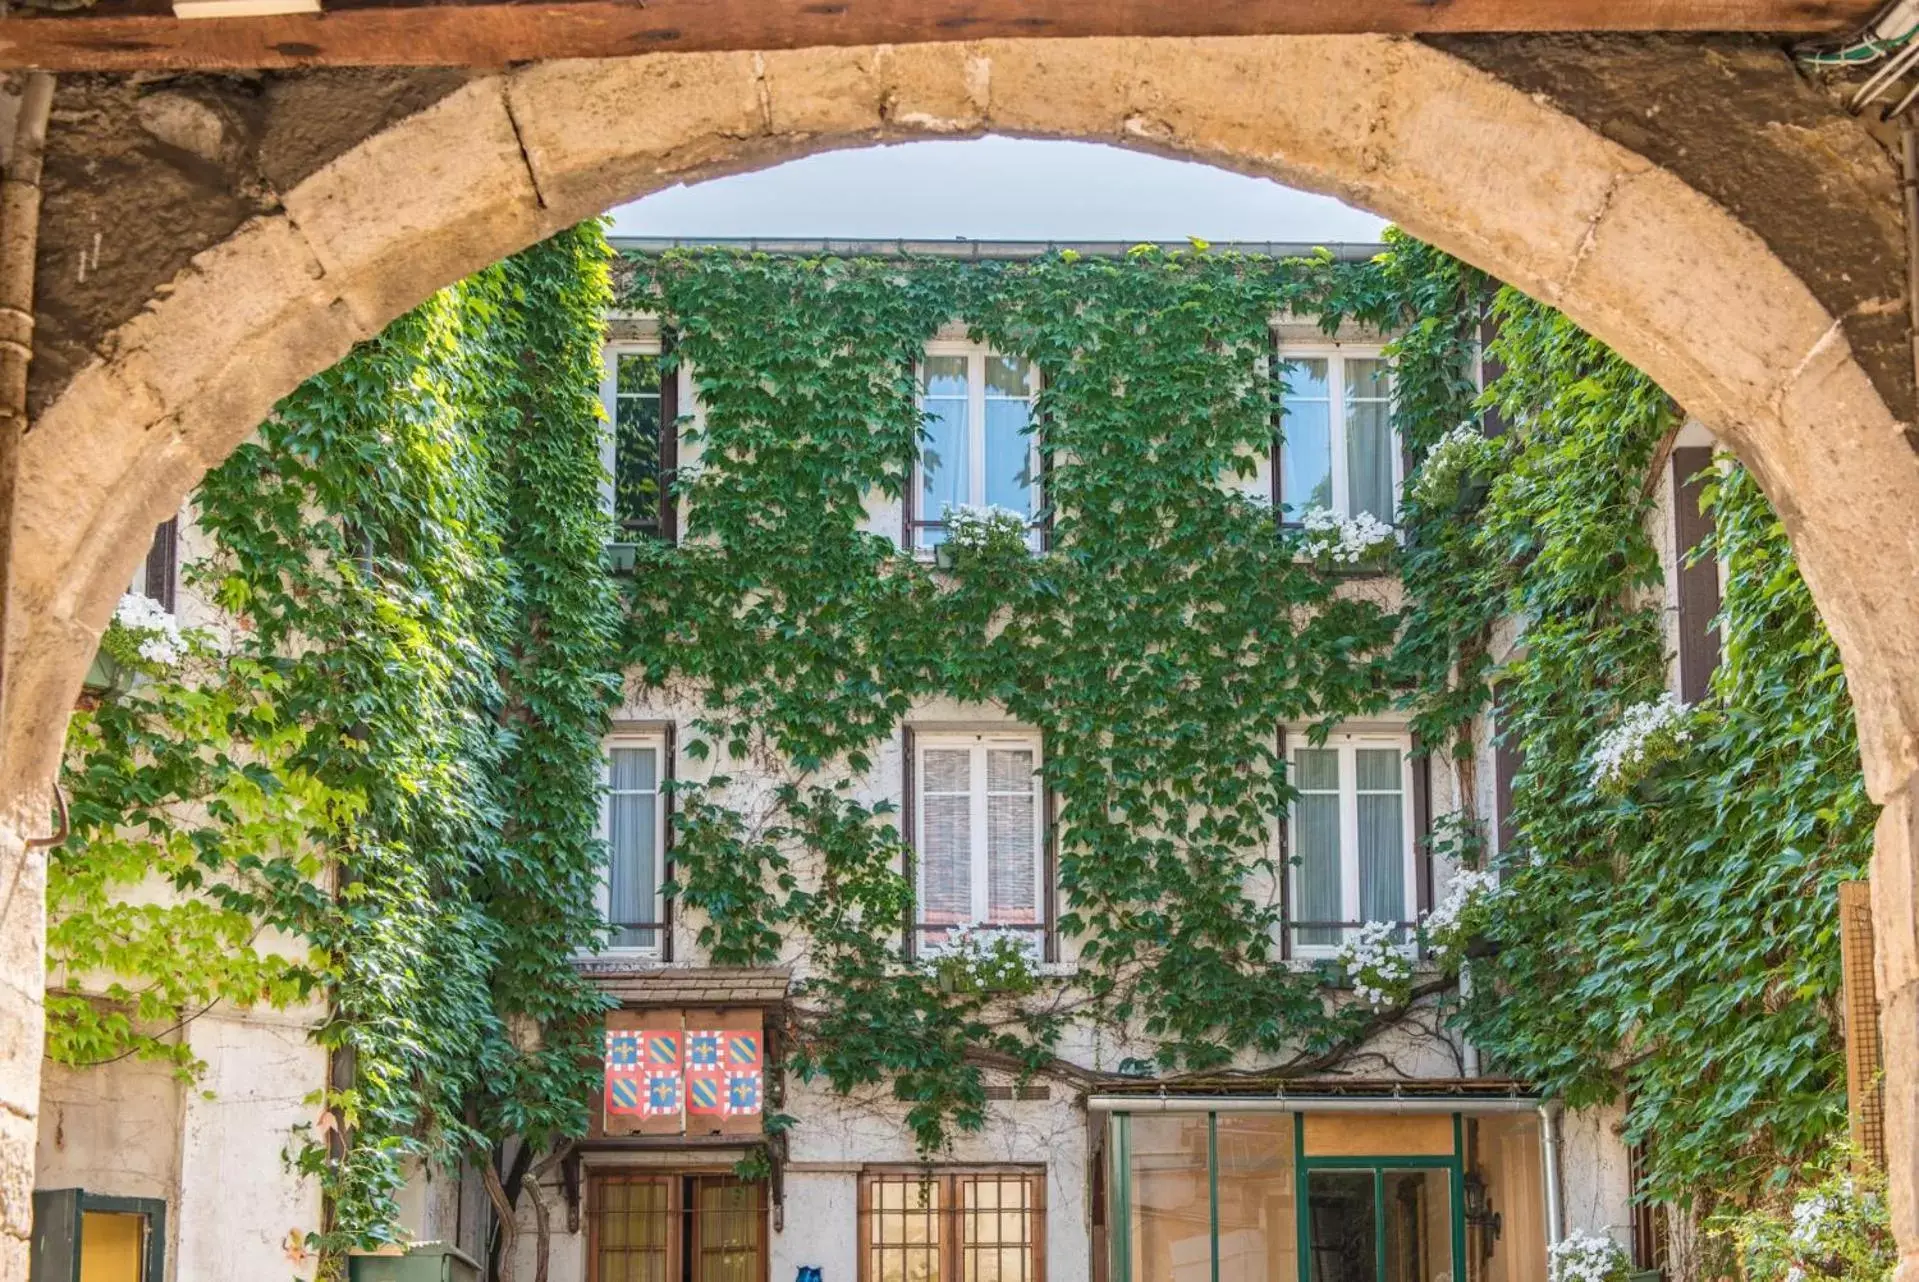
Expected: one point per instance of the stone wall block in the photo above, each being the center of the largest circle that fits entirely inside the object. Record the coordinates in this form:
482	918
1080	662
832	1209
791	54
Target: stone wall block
1656	276
599	131
1899	1034
252	302
412	209
1859	593
832	93
936	89
1895	892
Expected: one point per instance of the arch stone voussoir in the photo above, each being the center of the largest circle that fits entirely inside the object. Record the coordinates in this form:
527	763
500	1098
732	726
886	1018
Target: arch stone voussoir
1501	176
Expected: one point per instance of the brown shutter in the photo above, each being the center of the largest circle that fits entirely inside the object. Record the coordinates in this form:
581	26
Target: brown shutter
1698	582
1285	864
667	773
1423	826
669	440
1490	370
1049	870
1278	416
1507	761
163	563
908	838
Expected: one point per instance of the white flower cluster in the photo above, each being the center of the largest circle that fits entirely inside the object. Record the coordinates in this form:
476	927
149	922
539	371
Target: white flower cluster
1343	539
1817	1214
1469	886
1624	746
1453	458
1376	962
979	529
976	949
1587	1257
159	637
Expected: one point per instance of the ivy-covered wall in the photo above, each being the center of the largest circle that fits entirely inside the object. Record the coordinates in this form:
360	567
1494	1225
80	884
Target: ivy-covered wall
373	785
394	759
1670	940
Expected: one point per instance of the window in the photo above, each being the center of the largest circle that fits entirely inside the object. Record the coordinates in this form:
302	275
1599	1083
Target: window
978	834
664	1228
1350	836
639	453
94	1238
985	1225
156	577
633	822
977	450
1337	448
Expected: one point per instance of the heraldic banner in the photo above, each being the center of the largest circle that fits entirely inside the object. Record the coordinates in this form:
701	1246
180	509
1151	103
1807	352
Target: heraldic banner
696	1072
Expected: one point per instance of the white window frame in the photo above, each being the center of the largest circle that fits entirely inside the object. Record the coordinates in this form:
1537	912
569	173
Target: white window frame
1347	743
603	892
979	743
975	354
610	354
1336	354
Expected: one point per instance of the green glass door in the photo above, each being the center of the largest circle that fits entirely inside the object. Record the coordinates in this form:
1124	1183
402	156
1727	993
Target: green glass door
1379	1224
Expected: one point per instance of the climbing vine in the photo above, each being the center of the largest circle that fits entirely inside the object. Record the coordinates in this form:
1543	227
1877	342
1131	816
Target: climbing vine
1666	929
1167	630
387	765
389	760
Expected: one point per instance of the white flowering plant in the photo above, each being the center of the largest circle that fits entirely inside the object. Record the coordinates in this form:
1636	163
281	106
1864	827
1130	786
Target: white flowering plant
1456	461
143	637
1645	736
1328	537
1587	1257
1378	964
1835	1225
983	959
984	532
1463	914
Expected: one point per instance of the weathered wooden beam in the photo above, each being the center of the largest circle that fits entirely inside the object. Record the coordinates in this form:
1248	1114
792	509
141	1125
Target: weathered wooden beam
141	35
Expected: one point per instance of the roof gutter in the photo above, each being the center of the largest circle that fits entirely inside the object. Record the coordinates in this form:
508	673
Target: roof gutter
1397	1104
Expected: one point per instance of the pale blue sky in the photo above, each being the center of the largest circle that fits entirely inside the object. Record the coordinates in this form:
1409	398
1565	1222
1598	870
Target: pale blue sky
996	189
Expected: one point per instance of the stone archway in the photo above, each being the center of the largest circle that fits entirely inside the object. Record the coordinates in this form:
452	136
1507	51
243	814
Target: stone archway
1455	154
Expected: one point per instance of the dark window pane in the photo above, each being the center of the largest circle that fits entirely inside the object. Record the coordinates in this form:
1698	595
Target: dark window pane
636	455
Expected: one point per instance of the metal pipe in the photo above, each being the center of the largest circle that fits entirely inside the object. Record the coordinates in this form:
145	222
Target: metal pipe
1411	1105
1549	1158
1468	1053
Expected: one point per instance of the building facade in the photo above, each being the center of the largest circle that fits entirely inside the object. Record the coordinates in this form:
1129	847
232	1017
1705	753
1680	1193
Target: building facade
1407	1158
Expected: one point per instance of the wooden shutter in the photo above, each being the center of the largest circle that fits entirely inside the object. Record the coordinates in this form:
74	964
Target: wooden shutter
669	439
1278	432
1698	583
702	1119
1285	863
1049	873
603	1122
667	902
1490	370
162	566
1507	761
1422	827
909	836
1865	1060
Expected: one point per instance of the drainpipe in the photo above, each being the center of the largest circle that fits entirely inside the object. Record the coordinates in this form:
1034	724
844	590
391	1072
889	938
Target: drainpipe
19	242
1549	1154
1468	1053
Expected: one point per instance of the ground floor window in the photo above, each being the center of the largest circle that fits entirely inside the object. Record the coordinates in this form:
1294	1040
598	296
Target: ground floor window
973	1225
98	1238
1319	1197
645	1227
